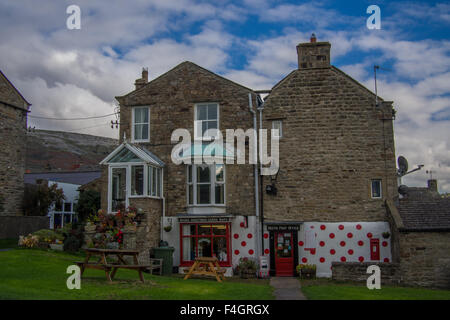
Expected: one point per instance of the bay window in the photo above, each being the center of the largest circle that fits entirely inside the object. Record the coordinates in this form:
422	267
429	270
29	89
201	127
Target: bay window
205	184
205	240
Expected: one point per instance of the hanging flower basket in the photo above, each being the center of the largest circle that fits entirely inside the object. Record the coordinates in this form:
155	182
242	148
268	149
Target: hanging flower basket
167	228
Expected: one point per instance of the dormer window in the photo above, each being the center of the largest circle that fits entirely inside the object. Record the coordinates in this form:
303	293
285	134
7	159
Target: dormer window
140	124
206	118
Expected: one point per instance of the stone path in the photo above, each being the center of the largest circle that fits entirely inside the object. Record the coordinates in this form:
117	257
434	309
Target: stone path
286	288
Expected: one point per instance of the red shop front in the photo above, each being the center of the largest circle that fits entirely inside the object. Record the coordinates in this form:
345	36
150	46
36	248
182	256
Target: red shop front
205	238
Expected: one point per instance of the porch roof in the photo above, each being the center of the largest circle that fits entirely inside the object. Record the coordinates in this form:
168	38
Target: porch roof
134	151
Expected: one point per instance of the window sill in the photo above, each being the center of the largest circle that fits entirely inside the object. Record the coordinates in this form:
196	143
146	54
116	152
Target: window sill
140	141
206	205
149	197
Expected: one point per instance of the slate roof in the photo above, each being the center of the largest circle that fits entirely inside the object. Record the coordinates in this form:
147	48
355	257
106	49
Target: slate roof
425	214
79	178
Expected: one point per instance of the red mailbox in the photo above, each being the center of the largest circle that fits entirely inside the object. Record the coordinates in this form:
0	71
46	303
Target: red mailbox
374	249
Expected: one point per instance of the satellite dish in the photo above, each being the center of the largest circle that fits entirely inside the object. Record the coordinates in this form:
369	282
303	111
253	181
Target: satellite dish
402	165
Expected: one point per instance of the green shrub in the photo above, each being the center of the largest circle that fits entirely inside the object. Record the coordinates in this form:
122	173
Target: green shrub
49	236
72	244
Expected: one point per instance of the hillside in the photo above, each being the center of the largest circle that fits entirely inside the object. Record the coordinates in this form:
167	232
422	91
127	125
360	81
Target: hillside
65	151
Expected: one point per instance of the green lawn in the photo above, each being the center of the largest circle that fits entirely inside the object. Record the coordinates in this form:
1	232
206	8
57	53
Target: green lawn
8	243
323	289
41	274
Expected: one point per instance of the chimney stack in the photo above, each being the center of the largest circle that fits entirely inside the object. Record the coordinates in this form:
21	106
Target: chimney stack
139	83
432	185
313	54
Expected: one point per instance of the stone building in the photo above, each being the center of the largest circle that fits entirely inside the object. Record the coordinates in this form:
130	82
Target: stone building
13	128
325	204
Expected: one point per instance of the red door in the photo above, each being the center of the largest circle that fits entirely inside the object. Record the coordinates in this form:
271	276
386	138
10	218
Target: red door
374	249
284	258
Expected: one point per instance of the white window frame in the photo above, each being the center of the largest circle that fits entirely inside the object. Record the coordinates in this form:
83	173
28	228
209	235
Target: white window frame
133	124
212	183
128	195
197	122
381	188
280	135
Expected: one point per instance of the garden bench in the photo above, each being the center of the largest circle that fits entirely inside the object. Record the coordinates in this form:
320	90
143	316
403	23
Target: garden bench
206	266
111	268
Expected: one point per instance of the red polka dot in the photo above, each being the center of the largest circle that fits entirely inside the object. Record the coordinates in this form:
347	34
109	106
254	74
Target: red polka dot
361	259
321	243
384	243
386	260
343	259
300	243
360	243
342	243
313	251
250	252
236	252
331	235
322	227
349	235
369	235
243	243
266	235
358	226
249	236
341	227
236	236
332	251
322	260
350	252
304	260
242	224
267	251
312	227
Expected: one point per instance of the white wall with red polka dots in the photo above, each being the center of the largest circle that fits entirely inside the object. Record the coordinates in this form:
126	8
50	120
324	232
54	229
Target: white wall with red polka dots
322	243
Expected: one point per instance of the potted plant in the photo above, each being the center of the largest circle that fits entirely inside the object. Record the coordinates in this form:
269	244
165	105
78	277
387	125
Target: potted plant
386	234
306	271
247	268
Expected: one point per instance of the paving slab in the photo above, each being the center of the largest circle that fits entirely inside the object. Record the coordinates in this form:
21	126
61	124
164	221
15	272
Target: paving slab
287	288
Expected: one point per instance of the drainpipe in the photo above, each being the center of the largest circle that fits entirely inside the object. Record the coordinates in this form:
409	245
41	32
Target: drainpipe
255	173
260	109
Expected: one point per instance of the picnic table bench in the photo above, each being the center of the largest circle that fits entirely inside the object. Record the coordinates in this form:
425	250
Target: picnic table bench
206	266
111	268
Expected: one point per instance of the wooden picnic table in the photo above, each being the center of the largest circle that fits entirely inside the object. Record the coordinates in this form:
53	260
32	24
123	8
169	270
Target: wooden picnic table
206	266
111	268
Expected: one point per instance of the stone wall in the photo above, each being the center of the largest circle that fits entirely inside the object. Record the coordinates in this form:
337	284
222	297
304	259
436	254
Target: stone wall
355	271
14	226
425	258
424	262
335	141
13	123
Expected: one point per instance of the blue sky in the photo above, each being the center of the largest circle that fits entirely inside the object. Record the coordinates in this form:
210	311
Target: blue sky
76	73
